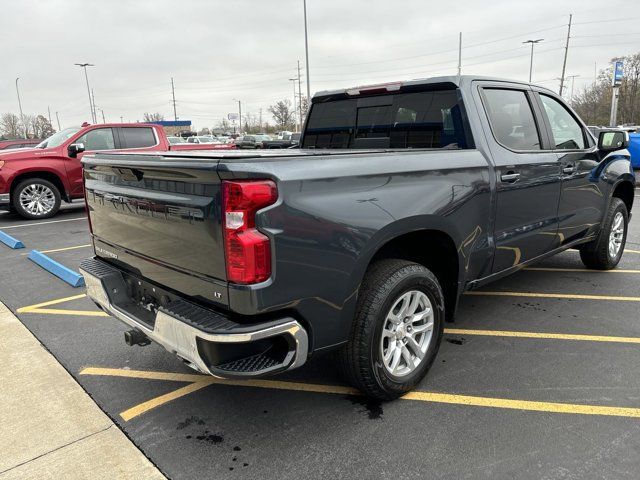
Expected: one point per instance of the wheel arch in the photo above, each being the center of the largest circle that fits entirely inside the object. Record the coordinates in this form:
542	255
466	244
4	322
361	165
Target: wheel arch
625	191
43	174
433	245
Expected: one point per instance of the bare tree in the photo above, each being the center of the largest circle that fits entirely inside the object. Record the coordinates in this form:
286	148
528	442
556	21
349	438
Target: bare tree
10	125
283	114
204	131
593	104
153	117
224	125
41	127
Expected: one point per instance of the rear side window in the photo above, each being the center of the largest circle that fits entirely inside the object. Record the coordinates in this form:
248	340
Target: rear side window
511	119
138	137
567	132
432	119
98	139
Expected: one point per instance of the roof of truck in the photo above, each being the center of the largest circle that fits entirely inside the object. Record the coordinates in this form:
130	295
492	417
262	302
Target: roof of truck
455	80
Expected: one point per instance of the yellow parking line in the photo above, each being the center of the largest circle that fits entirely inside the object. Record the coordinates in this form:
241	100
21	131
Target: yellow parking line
431	397
554	295
65	249
548	336
162	399
626	250
38	308
144	374
524	405
550	269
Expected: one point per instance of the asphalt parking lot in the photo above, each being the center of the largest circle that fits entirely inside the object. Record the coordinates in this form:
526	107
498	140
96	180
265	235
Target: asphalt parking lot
537	378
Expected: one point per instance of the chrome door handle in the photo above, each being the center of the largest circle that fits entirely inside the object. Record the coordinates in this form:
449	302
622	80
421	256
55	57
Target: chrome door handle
509	177
568	169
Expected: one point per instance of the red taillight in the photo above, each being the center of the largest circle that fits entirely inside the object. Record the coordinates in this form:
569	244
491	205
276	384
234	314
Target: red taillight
248	251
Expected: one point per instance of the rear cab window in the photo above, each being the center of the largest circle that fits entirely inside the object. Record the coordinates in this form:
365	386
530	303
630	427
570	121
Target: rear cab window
430	119
511	119
138	137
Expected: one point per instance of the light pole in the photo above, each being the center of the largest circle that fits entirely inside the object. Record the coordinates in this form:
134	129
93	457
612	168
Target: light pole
306	49
239	114
86	77
20	106
532	42
294	80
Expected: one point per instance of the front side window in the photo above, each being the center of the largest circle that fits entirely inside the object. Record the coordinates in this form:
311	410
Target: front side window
511	118
430	119
138	137
98	139
567	132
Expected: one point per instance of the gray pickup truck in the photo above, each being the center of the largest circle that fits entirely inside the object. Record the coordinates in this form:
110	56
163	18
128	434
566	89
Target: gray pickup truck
402	197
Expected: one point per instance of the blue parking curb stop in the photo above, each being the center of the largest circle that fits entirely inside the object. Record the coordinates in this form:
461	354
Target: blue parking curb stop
10	241
63	273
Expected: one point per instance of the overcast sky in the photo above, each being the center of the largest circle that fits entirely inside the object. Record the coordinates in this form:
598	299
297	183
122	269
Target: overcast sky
218	51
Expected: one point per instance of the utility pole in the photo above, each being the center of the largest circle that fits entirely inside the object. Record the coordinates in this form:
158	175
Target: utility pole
306	49
173	94
300	96
532	42
86	77
260	120
20	106
49	111
58	120
566	53
294	80
103	120
459	56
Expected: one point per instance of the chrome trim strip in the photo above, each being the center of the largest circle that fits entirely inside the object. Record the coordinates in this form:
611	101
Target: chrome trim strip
5	198
181	339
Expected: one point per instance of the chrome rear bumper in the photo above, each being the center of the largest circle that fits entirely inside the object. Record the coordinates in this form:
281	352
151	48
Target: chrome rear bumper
285	341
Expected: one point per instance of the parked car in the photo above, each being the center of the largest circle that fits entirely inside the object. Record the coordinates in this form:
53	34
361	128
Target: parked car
363	240
19	143
202	139
249	142
291	140
176	140
34	182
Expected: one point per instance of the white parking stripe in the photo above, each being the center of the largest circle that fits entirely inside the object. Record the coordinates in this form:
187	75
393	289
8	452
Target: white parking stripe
42	223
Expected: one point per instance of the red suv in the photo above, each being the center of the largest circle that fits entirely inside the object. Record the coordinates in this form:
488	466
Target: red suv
33	182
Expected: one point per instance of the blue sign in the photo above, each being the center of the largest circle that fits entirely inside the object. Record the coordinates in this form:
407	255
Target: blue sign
618	73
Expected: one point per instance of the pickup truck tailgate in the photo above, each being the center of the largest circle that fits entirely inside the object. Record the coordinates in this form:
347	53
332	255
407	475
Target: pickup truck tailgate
159	218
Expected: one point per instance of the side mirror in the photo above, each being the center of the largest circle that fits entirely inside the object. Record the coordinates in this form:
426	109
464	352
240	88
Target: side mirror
75	148
612	140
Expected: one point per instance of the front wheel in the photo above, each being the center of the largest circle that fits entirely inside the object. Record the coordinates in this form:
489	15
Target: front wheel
397	329
36	198
605	252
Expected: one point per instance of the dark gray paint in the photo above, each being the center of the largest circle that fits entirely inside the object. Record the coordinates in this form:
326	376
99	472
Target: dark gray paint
336	209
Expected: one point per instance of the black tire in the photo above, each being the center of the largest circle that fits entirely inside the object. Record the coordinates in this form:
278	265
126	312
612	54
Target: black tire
24	184
595	255
360	359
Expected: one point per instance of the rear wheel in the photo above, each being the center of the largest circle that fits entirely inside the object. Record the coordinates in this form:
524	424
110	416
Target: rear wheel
397	329
605	252
36	198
